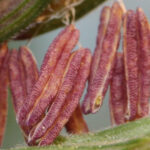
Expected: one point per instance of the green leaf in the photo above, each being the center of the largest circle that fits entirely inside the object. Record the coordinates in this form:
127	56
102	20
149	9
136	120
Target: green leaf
20	22
20	17
131	136
81	10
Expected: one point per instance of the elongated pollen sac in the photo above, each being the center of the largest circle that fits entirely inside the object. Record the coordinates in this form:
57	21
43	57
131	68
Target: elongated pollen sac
144	63
52	87
4	56
23	74
98	86
65	86
29	65
118	97
67	99
45	88
104	19
18	93
130	48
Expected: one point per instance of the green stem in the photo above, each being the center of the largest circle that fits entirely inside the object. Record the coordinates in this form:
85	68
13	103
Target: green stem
131	136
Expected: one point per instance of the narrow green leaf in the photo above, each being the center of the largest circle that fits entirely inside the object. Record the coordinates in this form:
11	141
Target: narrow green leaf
21	20
84	8
20	17
14	12
131	136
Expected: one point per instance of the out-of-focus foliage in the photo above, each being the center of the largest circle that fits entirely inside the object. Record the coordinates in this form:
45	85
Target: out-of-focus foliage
22	19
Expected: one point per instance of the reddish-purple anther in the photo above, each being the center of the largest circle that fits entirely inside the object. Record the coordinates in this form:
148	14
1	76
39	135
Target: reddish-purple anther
118	96
30	69
67	99
144	62
53	83
4	55
39	99
23	74
17	90
98	87
104	19
130	48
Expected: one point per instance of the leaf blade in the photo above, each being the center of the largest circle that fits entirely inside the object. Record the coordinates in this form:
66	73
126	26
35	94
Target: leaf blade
81	10
134	135
22	20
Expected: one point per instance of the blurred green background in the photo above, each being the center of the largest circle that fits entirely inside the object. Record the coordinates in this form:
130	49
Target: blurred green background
88	32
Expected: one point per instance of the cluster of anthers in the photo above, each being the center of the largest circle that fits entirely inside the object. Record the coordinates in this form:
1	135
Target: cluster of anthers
47	100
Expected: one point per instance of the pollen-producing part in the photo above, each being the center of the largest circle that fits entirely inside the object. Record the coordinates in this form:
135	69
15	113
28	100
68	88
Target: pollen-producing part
29	65
104	20
67	99
144	62
52	85
130	48
15	78
118	98
47	71
23	74
98	87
